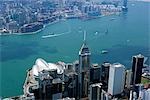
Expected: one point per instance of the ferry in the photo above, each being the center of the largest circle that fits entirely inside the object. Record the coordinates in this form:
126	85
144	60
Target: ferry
104	51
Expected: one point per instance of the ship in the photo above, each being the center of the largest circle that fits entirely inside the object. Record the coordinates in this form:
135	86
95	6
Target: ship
104	51
49	35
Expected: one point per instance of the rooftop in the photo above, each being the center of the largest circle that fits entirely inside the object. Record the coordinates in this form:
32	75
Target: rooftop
139	56
41	65
117	65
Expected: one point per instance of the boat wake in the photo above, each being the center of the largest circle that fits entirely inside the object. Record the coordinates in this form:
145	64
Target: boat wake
54	35
49	36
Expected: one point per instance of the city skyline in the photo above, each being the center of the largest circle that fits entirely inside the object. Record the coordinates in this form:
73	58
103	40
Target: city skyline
82	79
74	50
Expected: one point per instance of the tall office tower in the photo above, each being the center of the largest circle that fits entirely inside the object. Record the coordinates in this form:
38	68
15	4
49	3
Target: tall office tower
56	89
137	64
95	74
128	78
116	79
45	82
105	75
49	88
70	82
95	91
84	66
84	55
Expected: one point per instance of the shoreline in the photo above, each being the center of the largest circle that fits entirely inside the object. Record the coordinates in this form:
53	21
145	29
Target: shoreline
143	0
46	25
31	33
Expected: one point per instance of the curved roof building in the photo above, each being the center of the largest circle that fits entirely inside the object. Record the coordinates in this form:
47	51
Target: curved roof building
41	65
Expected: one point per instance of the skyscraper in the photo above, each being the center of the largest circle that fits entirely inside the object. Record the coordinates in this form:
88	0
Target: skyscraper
70	81
116	79
84	55
137	64
105	74
128	78
95	74
84	65
95	91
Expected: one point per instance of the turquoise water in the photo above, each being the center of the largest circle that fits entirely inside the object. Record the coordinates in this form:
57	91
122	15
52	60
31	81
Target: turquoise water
127	35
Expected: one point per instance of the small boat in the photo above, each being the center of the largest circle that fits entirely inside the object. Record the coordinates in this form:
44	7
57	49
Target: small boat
128	40
112	19
106	32
133	4
96	33
104	51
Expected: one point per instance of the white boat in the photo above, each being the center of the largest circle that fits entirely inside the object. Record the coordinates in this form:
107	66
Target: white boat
104	51
96	33
133	4
112	19
50	35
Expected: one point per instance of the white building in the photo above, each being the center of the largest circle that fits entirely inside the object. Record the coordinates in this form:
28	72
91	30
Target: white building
147	95
116	79
128	78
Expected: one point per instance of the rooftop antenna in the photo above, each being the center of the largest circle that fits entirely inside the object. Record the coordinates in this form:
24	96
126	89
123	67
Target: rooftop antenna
84	37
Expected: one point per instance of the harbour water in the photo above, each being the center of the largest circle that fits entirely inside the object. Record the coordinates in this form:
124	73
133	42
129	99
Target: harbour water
128	34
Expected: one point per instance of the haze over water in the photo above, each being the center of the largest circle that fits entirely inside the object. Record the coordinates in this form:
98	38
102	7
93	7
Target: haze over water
128	35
